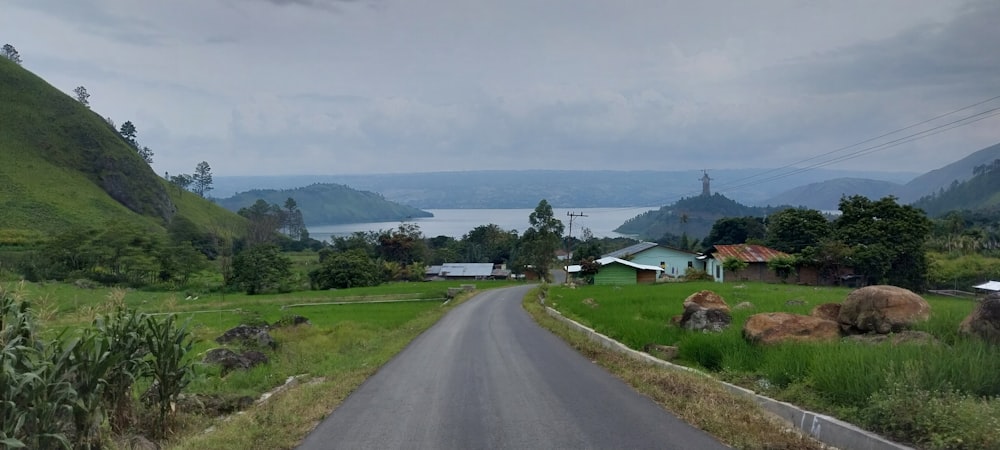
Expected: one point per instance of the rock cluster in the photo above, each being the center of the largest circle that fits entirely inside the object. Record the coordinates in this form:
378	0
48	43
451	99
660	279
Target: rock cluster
230	360
871	310
248	336
706	311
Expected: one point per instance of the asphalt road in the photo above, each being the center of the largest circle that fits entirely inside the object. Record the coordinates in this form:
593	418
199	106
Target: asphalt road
486	376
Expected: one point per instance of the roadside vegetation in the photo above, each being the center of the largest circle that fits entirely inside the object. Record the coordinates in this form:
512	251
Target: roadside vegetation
935	396
734	420
92	394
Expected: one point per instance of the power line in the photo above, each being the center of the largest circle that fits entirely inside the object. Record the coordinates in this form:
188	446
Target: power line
968	120
870	139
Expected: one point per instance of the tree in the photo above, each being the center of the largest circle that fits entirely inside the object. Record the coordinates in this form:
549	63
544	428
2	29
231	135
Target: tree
589	249
146	153
404	245
488	243
887	240
128	132
11	53
735	230
538	245
182	181
792	230
346	270
82	96
202	178
294	224
262	269
263	221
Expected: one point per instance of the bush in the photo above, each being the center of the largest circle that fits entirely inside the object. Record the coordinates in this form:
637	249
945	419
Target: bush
942	419
262	269
346	270
692	274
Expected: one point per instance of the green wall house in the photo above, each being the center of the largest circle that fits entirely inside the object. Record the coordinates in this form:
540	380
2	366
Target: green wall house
616	271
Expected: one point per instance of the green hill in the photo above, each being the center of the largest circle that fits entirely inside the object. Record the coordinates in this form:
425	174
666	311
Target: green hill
63	166
981	192
693	216
329	204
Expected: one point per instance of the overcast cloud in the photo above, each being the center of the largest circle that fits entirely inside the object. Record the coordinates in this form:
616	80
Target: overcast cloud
259	87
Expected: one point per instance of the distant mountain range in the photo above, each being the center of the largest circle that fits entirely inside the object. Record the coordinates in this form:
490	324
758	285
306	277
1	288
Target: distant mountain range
523	189
826	194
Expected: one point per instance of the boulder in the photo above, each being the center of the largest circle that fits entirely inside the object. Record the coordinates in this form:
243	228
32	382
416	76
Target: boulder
248	336
705	311
706	320
984	320
772	328
828	311
705	300
882	309
903	337
230	360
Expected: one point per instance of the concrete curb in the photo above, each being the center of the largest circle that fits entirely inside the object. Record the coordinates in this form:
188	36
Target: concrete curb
825	429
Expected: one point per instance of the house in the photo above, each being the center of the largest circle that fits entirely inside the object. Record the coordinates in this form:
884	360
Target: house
989	287
459	271
756	257
673	261
619	271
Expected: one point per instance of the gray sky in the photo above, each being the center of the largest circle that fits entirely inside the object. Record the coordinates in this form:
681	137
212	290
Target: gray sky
260	87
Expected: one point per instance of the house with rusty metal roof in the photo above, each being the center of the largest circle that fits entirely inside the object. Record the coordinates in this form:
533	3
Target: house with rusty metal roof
756	257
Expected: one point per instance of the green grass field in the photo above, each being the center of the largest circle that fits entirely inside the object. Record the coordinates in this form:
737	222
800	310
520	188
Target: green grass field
343	345
836	377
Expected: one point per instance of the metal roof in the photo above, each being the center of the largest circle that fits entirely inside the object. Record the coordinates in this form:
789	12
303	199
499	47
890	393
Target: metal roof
611	260
466	269
750	253
631	250
989	286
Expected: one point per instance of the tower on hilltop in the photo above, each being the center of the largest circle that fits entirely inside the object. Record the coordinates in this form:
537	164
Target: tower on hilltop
706	189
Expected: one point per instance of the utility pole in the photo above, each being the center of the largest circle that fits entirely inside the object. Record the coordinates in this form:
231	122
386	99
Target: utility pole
570	237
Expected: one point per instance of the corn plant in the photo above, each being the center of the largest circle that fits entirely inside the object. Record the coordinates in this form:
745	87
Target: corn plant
126	335
168	346
90	363
35	397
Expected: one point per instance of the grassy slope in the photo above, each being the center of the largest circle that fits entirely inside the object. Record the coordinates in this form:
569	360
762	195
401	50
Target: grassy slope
62	165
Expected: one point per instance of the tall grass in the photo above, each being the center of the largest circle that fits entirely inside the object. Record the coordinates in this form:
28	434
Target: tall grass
836	377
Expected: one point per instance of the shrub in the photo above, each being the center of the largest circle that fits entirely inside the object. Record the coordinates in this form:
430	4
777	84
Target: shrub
346	270
692	274
262	269
944	419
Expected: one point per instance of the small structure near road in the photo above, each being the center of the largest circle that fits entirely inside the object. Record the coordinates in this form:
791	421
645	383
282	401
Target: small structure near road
619	271
466	271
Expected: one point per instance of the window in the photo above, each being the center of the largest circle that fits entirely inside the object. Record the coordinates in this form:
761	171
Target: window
690	264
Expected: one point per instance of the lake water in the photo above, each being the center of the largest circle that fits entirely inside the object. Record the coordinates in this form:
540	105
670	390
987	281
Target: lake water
457	222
